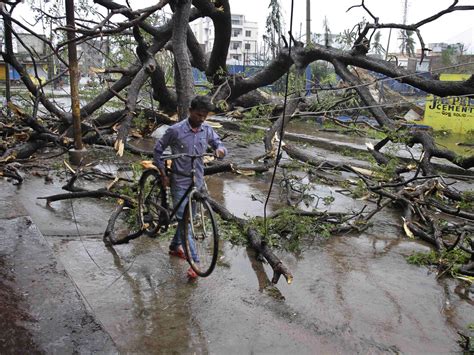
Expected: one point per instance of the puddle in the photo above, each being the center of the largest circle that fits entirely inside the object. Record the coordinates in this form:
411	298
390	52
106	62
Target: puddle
349	295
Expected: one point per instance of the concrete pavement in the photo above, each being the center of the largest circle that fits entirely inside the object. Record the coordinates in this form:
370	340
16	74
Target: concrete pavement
41	309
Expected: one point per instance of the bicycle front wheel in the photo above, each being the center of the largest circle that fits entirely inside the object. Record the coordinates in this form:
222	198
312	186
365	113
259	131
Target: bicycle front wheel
151	202
202	241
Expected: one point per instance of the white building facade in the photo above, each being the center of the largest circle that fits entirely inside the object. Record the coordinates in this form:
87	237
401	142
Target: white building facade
243	48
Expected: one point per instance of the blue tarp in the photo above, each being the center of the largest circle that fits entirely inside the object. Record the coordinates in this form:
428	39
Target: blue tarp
402	88
14	75
245	70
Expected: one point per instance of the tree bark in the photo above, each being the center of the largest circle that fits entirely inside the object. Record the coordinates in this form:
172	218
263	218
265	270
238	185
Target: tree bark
256	243
440	88
184	83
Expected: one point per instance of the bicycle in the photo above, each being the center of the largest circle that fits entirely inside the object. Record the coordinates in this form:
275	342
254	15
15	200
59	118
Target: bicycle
155	215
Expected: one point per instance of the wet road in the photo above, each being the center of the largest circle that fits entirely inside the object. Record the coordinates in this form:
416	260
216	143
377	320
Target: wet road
350	294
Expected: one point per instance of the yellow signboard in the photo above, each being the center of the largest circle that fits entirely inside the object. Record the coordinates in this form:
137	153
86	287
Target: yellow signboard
453	113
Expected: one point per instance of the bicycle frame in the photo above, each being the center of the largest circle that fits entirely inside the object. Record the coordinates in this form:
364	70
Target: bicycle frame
192	187
201	236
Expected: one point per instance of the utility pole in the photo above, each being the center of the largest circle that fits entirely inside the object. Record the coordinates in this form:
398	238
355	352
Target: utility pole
50	53
9	50
308	22
388	43
79	152
405	12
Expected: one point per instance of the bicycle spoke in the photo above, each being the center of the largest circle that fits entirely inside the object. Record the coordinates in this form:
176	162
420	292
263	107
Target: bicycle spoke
202	239
149	201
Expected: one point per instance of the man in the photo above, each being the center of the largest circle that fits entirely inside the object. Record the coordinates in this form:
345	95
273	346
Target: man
190	136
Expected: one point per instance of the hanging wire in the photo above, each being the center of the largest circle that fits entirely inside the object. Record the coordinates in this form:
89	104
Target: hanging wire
389	104
370	83
282	128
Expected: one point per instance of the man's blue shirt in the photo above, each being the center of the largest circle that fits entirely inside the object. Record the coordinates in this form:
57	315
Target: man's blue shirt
182	139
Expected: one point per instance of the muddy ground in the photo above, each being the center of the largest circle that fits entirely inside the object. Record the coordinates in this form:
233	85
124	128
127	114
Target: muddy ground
351	294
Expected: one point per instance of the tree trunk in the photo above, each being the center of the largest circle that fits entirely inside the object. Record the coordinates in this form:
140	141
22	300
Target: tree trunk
184	81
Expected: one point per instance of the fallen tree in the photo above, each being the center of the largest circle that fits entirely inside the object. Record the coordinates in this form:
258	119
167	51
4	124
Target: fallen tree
144	77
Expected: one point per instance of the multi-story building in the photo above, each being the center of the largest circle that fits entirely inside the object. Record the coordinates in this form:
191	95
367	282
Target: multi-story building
92	54
203	29
30	45
438	48
243	49
35	44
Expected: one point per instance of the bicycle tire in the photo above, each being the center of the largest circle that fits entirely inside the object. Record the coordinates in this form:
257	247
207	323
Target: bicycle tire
151	202
204	234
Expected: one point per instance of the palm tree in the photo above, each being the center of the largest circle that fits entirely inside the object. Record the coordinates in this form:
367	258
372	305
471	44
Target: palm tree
408	43
377	46
274	26
327	32
346	39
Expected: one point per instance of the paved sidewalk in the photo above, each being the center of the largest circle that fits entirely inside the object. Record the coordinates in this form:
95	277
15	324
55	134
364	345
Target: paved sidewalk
333	146
41	310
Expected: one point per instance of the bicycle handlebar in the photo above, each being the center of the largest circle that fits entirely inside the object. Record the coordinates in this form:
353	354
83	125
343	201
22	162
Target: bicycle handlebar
180	155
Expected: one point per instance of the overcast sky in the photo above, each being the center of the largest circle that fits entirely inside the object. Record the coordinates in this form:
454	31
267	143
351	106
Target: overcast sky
445	29
451	28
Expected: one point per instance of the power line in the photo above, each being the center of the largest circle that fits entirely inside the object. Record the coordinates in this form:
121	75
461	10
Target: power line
282	128
371	83
392	104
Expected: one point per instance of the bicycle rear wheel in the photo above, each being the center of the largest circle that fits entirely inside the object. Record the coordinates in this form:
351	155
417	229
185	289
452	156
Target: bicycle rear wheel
152	205
201	232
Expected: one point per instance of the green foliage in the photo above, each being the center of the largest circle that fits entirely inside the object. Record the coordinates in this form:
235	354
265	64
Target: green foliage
403	136
448	55
296	82
422	258
132	190
122	51
230	231
328	200
347	38
328	101
139	122
259	112
289	229
467	202
452	259
386	172
257	115
296	165
222	105
250	137
360	189
362	155
323	73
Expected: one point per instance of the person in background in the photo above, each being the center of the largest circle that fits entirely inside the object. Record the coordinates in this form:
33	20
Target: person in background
190	136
